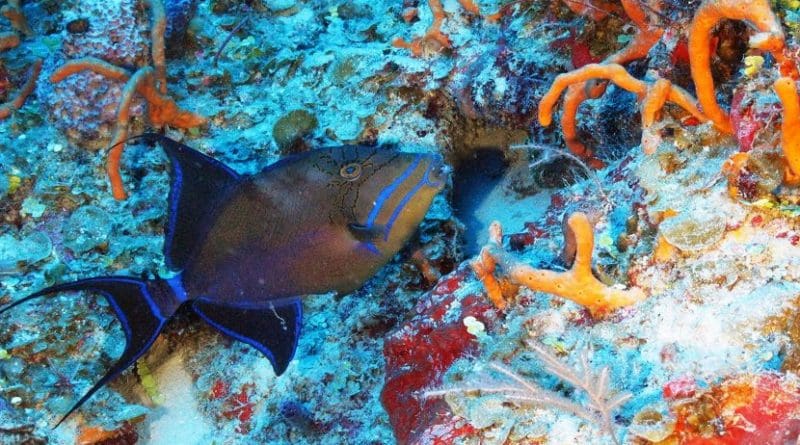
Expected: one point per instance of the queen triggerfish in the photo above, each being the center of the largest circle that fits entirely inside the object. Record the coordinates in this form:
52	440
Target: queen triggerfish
243	250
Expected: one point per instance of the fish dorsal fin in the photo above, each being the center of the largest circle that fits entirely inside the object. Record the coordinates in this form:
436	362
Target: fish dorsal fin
198	185
272	330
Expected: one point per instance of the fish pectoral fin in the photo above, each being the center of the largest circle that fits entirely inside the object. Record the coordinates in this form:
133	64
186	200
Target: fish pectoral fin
365	234
273	330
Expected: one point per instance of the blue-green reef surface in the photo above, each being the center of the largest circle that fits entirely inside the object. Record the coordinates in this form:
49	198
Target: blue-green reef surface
664	312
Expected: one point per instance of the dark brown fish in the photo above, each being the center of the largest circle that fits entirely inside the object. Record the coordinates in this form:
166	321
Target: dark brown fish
244	249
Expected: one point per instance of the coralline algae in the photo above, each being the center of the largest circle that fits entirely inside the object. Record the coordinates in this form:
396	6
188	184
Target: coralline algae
28	250
179	14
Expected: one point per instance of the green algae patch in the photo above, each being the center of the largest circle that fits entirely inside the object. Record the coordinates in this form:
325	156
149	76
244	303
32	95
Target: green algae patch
89	227
292	127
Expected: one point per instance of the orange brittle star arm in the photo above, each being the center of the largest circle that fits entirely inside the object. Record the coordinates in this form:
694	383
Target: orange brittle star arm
90	64
578	284
121	132
786	89
15	104
150	82
770	37
161	109
434	32
157	31
13	12
123	109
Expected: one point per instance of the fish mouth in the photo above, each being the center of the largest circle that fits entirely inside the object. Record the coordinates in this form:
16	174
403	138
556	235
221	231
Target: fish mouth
438	172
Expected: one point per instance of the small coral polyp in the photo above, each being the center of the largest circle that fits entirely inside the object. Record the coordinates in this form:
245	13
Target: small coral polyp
434	39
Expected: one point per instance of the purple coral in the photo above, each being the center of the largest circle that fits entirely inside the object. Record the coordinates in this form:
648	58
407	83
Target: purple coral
84	106
179	14
300	417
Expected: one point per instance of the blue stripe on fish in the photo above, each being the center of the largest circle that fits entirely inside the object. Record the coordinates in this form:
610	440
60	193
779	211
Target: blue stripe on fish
388	190
148	298
371	247
272	330
404	201
136	308
199	184
235	335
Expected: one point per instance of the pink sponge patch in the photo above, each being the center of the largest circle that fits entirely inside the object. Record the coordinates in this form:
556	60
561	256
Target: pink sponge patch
751	409
749	120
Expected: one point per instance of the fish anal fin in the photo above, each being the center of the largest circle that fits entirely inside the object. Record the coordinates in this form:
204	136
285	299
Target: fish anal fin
273	331
198	185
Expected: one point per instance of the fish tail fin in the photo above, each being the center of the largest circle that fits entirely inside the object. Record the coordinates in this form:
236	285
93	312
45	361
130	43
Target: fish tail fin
139	306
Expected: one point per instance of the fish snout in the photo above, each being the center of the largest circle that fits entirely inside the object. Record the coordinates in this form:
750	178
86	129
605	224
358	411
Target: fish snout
438	172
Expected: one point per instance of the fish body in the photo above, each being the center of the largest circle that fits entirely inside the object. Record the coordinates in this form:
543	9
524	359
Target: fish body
243	250
319	228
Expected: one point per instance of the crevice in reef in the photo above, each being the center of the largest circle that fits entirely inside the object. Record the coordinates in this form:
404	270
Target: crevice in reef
474	177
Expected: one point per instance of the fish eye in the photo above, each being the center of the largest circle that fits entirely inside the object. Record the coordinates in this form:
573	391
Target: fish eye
350	171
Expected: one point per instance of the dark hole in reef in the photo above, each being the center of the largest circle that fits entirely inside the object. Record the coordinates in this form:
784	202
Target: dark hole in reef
474	177
727	55
557	173
78	26
619	127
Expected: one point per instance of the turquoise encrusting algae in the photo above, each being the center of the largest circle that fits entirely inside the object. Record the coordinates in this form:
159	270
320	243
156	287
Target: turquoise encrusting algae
692	207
